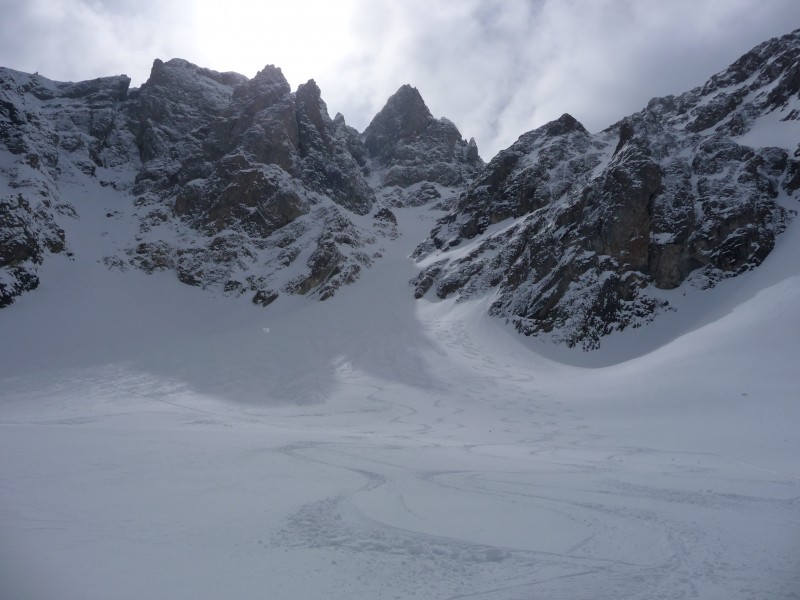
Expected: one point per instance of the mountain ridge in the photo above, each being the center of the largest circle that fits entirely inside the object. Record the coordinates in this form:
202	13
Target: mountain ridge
248	188
601	222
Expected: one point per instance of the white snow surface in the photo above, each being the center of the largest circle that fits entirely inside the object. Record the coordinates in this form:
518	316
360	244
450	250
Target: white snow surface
775	129
160	442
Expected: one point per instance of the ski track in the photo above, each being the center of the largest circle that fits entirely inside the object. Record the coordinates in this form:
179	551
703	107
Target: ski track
607	494
483	478
686	558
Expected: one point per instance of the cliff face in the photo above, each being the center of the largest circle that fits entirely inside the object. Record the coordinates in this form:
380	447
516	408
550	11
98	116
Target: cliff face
575	233
41	122
238	185
259	173
409	146
248	188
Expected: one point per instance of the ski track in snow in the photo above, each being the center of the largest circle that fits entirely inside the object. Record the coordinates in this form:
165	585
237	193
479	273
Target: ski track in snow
447	461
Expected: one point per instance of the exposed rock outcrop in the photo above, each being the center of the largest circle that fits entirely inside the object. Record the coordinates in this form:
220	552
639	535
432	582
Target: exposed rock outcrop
251	160
49	130
572	232
259	175
409	148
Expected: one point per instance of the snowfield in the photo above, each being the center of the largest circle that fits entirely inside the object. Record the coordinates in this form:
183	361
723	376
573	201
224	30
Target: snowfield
159	442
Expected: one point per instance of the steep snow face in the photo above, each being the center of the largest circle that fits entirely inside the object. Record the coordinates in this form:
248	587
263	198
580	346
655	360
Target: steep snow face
574	235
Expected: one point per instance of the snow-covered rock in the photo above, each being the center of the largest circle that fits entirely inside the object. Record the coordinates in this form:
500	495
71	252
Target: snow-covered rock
236	185
416	158
245	187
242	175
49	130
574	233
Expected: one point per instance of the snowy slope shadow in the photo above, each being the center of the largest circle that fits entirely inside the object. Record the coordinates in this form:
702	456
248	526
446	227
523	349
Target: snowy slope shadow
292	351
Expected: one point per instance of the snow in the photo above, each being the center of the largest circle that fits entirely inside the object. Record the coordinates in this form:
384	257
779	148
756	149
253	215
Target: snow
775	129
162	442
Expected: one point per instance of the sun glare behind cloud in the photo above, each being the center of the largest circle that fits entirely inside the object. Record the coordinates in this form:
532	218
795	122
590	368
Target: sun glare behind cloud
303	38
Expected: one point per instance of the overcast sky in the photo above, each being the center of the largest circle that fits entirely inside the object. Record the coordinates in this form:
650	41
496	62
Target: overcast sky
497	68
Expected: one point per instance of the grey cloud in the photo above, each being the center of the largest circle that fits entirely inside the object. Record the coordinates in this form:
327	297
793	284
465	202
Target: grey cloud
499	68
78	39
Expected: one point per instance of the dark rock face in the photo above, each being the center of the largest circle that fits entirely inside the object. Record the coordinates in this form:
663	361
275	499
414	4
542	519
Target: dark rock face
328	165
235	179
250	161
26	234
177	99
408	145
574	231
511	187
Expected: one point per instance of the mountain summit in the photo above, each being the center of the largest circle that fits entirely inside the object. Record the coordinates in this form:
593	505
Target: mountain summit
405	131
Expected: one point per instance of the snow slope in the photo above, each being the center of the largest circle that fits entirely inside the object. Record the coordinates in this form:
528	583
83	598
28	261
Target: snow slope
160	442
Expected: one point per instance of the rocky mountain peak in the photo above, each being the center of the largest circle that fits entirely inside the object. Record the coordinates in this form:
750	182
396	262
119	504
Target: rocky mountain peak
311	88
265	89
262	180
177	70
103	90
565	124
160	72
309	100
404	116
271	74
177	99
408	145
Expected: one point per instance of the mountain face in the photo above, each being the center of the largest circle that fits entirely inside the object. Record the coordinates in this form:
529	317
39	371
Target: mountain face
41	121
575	234
260	173
411	147
237	185
248	188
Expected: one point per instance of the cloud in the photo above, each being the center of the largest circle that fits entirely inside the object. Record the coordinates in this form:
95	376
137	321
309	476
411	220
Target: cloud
79	39
497	68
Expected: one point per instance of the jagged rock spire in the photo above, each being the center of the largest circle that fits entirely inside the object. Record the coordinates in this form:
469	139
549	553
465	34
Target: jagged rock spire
412	146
